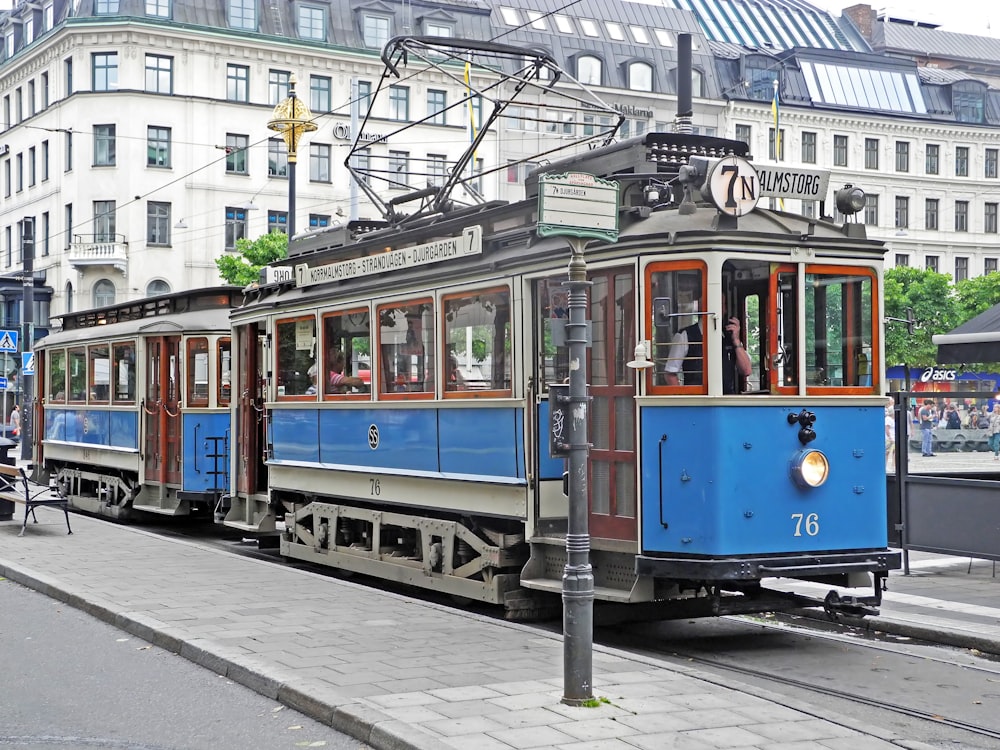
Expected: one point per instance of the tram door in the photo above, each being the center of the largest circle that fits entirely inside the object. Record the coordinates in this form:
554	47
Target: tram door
162	410
251	472
612	407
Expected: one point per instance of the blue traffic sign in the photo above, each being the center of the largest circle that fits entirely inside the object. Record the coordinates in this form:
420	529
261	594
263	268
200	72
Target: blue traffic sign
3	383
8	341
27	363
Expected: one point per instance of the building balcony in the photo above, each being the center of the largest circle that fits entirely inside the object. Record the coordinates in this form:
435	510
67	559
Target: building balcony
88	250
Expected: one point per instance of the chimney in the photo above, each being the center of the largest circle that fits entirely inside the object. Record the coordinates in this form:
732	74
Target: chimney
864	19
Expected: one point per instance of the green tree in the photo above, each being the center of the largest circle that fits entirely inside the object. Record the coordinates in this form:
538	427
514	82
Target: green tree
935	307
243	267
977	295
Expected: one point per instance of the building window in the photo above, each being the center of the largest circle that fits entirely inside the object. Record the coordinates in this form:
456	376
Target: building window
320	98
31	99
159	74
364	96
319	162
840	150
46	232
68	216
902	212
931	213
902	259
236	153
902	156
961	216
968	101
31	166
399	169
871	153
931	263
808	148
20	172
278	85
990	163
236	226
104	221
933	159
743	134
45	90
157	147
68	144
961	161
104	67
277	221
104	145
104	293
990	218
68	71
157	223
312	23
438	29
961	269
989	265
375	30
277	158
399	103
776	153
437	169
640	76
158	8
45	160
105	7
871	210
436	102
243	14
237	83
809	209
319	221
588	70
157	287
18	105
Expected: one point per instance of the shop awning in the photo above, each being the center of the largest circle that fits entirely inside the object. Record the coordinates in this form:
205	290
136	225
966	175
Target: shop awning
976	340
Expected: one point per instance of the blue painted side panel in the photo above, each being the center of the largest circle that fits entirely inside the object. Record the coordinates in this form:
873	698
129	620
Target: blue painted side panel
479	441
201	470
719	484
118	429
548	468
484	442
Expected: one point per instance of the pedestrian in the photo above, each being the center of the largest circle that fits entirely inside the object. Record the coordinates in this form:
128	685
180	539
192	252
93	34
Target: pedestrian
15	423
928	419
994	429
890	438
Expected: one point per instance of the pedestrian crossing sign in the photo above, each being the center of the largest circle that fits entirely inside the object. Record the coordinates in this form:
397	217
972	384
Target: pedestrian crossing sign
8	341
27	363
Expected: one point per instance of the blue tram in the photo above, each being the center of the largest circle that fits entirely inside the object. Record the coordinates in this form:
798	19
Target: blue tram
133	405
395	398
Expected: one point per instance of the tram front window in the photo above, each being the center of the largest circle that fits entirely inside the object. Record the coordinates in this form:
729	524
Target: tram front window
838	336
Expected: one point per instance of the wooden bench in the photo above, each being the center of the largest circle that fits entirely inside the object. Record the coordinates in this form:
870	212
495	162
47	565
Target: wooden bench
15	487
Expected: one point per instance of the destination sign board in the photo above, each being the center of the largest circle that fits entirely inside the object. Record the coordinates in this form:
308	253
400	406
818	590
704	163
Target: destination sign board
577	204
449	248
733	186
778	181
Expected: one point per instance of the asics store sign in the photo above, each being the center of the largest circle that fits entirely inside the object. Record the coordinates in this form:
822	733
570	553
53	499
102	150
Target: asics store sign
937	375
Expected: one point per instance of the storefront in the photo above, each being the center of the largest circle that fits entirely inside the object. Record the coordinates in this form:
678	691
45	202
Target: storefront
942	380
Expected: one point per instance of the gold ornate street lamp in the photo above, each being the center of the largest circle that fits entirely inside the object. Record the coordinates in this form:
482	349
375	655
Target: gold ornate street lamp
292	119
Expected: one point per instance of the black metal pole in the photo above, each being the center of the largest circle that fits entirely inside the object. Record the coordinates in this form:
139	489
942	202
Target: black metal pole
293	157
578	575
27	320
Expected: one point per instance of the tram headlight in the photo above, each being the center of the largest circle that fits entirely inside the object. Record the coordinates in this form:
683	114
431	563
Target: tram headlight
810	468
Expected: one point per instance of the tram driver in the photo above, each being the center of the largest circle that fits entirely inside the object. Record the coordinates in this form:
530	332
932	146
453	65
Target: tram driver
686	356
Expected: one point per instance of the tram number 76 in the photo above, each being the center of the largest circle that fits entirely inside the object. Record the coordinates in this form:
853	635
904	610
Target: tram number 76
807	523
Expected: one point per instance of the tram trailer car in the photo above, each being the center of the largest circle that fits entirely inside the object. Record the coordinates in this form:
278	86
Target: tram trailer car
133	403
435	470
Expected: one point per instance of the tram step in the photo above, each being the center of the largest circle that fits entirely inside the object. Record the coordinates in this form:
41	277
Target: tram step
603	593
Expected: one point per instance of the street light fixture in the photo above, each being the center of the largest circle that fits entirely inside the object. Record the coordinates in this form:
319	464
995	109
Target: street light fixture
292	119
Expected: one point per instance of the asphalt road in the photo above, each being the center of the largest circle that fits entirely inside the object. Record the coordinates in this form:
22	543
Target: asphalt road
68	680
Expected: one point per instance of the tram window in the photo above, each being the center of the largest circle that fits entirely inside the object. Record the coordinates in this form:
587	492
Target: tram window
839	331
786	360
124	360
552	313
57	376
225	370
197	372
78	374
406	347
477	342
677	300
296	356
346	352
100	374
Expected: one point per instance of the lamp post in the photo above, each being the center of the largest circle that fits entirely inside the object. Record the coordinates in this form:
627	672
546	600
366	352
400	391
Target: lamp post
292	119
